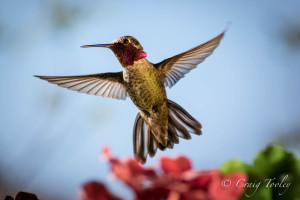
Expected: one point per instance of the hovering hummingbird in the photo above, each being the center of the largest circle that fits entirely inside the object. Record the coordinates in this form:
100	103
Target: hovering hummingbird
159	121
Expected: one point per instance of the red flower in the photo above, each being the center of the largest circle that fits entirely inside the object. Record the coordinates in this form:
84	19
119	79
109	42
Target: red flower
23	196
227	191
175	165
178	182
129	170
96	191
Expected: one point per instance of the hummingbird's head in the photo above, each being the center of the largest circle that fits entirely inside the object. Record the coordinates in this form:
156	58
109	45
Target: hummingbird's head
127	49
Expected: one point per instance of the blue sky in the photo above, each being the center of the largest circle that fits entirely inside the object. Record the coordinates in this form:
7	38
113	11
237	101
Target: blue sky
246	94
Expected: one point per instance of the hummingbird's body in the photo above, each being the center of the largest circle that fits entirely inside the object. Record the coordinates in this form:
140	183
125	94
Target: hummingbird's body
160	121
144	86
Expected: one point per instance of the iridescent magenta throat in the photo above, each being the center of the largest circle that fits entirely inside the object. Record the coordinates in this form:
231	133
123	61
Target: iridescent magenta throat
128	54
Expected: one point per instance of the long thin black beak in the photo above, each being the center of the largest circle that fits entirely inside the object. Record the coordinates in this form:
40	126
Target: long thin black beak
98	45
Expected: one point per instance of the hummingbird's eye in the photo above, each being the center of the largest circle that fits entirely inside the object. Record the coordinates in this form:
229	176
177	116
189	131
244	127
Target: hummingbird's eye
125	41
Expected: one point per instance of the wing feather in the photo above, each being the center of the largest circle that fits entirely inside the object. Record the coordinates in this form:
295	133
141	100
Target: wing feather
174	68
104	84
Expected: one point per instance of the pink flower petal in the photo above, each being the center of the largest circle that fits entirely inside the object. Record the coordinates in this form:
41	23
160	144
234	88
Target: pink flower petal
152	194
129	170
220	190
96	191
175	165
195	195
201	179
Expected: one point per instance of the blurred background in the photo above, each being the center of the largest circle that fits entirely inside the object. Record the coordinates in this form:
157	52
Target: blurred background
246	95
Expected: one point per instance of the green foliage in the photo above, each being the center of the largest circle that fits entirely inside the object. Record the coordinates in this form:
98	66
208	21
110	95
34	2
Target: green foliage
274	175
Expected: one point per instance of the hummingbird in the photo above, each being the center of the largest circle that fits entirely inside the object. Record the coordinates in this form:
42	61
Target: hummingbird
160	122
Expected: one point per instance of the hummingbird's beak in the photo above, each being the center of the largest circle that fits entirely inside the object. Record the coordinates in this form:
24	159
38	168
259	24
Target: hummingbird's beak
98	45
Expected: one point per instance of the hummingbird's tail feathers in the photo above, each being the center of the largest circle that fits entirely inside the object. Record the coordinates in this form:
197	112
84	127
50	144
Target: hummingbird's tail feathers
180	124
151	143
182	121
144	142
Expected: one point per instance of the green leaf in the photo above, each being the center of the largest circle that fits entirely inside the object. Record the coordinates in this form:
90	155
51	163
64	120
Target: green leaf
234	165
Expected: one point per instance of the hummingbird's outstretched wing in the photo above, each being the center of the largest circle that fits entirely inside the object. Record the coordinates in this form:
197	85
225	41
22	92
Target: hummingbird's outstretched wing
174	68
104	84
